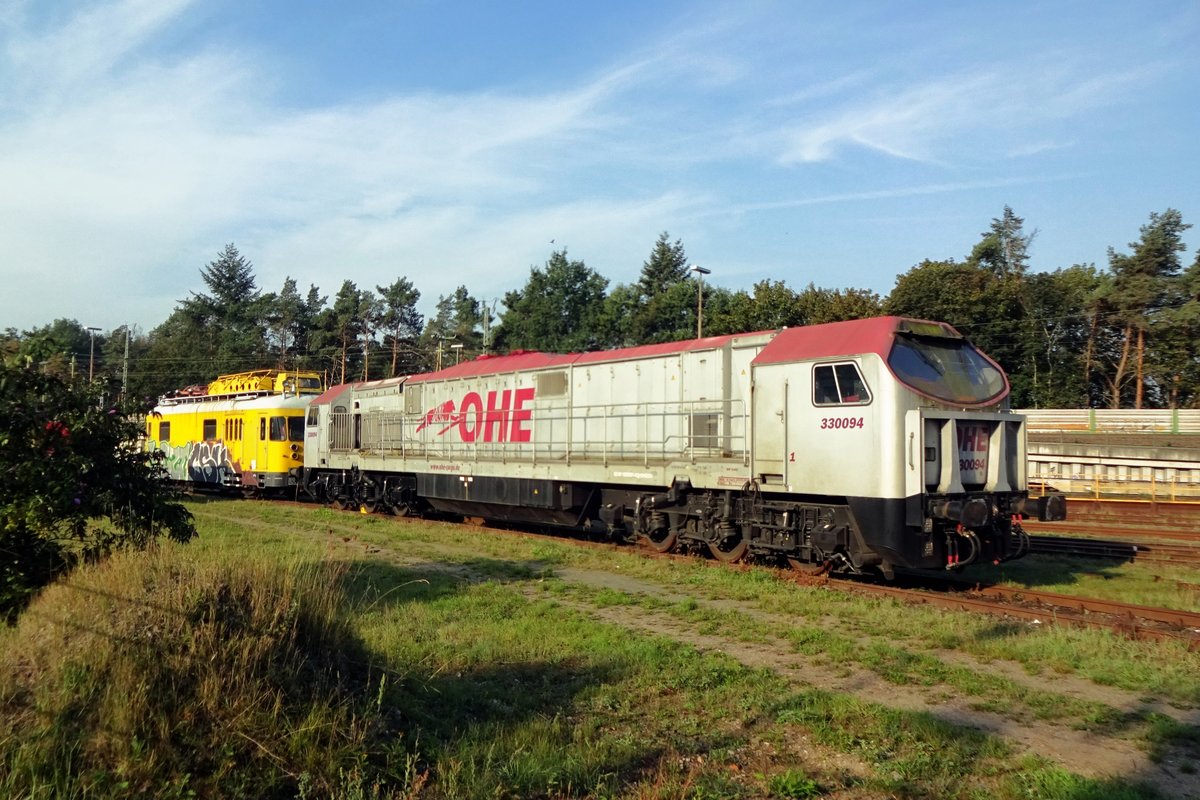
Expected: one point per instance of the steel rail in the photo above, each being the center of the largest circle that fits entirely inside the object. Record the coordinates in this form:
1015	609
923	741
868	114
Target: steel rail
1119	617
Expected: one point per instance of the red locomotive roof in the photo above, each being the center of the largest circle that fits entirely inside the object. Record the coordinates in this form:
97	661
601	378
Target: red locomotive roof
333	392
831	340
837	339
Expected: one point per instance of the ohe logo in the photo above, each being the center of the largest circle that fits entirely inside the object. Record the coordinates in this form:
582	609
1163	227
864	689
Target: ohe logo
504	418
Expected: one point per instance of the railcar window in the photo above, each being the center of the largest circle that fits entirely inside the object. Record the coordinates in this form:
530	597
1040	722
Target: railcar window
279	429
210	430
839	384
295	429
262	429
951	370
164	431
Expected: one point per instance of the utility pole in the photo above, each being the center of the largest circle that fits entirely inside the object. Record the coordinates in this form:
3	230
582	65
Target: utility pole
92	353
125	365
700	273
487	328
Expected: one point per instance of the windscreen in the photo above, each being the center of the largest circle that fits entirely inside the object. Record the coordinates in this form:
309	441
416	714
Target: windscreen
950	370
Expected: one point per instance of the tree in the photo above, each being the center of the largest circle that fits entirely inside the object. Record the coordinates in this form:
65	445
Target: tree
771	305
307	328
400	323
946	291
67	461
614	325
457	321
818	306
1141	288
666	266
63	347
1176	336
1004	249
232	317
558	310
179	353
344	331
1055	337
666	308
125	378
284	311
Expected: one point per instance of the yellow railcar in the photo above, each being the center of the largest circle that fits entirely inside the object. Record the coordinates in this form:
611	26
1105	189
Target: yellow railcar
242	432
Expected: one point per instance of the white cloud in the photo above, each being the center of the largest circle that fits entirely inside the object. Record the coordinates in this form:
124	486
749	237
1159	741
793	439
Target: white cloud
941	119
138	167
126	167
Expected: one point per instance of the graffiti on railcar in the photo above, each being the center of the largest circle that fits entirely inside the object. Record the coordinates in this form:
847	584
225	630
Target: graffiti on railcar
209	462
199	462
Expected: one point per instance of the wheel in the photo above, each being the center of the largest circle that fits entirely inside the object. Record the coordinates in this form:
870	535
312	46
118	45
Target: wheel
367	507
729	551
401	510
339	503
807	567
664	543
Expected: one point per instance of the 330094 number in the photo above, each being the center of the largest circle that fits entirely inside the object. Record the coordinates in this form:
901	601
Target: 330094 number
841	423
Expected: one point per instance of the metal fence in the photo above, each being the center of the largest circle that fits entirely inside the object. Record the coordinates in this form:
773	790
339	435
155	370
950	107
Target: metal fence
1099	420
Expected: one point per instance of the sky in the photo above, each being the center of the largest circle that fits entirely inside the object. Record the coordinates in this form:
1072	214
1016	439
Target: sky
461	143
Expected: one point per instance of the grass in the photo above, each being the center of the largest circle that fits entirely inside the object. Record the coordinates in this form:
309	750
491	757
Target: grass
280	655
1159	585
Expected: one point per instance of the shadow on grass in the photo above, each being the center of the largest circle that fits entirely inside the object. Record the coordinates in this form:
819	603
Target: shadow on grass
378	585
501	722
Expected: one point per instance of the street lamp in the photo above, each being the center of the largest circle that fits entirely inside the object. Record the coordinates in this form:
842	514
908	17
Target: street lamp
92	352
457	348
700	273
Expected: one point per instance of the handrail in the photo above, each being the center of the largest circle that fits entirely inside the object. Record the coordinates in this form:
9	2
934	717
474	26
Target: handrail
643	432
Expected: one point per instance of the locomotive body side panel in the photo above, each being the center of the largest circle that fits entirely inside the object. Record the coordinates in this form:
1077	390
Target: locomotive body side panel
868	443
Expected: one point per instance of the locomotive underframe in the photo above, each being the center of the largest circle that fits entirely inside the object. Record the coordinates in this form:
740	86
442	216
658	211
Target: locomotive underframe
730	524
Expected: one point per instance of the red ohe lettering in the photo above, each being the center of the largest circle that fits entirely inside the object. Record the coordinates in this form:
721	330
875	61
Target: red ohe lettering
521	415
470	416
495	422
503	418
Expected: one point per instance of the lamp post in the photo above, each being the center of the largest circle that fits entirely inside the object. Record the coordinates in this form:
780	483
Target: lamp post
457	348
91	352
700	273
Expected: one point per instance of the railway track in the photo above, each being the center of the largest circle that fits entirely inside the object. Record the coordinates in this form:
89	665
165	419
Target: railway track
1183	554
1049	608
1046	608
1121	529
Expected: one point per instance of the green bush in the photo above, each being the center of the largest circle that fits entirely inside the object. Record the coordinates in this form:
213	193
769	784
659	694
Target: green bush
74	484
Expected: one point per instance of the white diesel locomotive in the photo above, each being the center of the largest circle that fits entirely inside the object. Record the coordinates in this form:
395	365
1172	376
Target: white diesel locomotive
861	445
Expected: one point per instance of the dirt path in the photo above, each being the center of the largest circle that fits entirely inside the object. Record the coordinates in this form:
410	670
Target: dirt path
1077	751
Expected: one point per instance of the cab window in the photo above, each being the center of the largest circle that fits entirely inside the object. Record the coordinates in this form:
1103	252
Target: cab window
839	384
210	430
279	429
950	370
314	417
295	429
